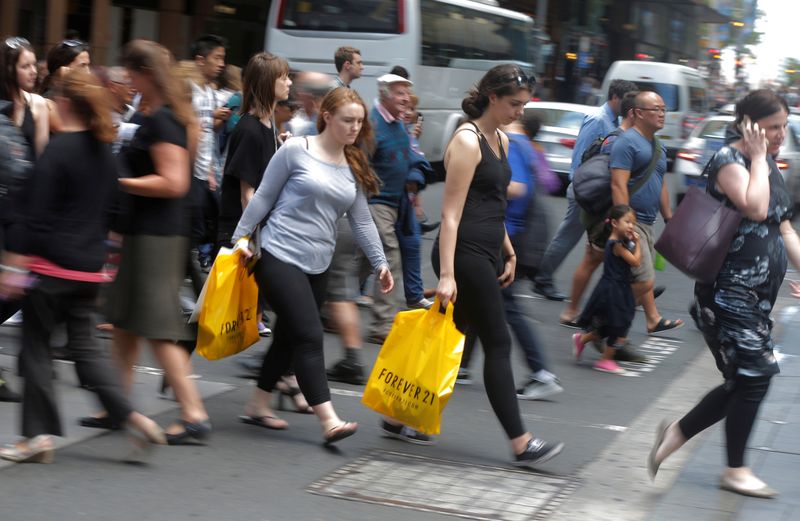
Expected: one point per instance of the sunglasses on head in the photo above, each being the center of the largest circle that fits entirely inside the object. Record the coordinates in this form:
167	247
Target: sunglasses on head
73	43
16	42
522	80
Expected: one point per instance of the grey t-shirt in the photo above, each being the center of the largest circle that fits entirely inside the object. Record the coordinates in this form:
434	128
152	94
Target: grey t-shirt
304	197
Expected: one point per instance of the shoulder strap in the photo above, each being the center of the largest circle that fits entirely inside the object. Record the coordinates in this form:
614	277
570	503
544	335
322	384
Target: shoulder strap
650	168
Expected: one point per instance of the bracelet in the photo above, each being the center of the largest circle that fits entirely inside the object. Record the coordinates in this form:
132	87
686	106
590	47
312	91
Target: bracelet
14	269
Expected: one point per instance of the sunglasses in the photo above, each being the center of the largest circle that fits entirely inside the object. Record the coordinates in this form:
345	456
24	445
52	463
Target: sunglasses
17	42
522	80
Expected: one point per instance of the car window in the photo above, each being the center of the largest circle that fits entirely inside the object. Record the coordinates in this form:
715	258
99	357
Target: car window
714	128
558	117
668	91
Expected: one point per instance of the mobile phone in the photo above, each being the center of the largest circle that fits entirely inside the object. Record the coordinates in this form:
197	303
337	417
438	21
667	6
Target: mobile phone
419	118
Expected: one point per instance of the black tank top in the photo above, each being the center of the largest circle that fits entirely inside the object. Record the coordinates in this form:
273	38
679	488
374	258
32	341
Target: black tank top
482	228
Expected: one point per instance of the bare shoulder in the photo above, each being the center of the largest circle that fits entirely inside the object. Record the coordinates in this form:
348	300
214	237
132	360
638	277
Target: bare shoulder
38	103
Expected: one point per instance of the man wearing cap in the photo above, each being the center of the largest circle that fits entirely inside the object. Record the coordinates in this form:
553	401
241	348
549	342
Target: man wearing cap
391	162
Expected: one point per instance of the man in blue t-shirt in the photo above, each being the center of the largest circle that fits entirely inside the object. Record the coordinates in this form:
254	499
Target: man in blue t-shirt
632	152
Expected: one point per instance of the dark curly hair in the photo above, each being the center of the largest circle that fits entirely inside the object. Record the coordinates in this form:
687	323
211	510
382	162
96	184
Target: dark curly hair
501	80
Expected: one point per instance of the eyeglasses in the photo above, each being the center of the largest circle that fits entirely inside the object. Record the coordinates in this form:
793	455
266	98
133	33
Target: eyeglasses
660	110
16	42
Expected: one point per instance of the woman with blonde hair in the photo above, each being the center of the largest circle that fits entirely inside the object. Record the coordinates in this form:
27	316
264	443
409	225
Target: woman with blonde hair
60	242
144	299
309	184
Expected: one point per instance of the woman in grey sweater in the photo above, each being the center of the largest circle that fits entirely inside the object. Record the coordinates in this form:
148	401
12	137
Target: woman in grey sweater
309	184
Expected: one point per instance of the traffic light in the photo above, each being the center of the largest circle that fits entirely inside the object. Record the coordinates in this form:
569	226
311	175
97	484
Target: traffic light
714	54
739	64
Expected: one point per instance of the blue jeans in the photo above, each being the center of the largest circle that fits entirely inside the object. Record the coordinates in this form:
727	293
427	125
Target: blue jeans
567	236
523	331
411	257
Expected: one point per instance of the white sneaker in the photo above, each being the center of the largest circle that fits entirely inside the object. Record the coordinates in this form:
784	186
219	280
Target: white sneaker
422	303
536	390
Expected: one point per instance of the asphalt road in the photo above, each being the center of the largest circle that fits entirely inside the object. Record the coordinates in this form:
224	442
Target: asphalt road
246	473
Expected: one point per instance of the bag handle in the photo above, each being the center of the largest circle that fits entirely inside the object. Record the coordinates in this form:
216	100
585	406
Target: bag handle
437	308
648	173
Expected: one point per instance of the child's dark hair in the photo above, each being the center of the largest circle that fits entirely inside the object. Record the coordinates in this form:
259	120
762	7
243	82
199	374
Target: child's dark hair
617	212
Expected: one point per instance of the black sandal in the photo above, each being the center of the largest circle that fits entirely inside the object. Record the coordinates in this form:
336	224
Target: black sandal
192	432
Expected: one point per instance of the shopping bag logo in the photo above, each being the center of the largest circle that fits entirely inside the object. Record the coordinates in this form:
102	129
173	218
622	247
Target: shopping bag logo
416	370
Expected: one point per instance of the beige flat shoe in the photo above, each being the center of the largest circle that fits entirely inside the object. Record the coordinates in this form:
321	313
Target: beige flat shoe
764	492
38	449
652	464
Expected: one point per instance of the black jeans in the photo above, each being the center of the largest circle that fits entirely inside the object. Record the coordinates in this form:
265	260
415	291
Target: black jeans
48	303
738	404
296	299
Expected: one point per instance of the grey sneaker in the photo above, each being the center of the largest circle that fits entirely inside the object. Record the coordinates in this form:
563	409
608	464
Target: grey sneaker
422	303
464	377
536	390
537	451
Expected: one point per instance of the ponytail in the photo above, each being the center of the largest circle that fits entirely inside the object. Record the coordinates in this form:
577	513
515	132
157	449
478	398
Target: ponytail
474	104
90	103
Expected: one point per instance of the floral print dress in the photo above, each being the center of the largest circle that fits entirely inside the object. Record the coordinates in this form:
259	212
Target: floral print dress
734	313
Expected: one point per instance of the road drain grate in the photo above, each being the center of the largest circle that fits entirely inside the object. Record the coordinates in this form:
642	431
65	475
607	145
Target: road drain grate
446	487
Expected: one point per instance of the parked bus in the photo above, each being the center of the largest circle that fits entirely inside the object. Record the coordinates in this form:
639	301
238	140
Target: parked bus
446	45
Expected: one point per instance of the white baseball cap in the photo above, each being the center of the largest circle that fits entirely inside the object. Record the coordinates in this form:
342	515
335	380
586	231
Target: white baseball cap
388	79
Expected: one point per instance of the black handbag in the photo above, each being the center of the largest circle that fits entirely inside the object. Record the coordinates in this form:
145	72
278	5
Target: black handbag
697	238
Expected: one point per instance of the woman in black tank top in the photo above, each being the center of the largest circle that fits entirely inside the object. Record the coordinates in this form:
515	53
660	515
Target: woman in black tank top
473	256
17	81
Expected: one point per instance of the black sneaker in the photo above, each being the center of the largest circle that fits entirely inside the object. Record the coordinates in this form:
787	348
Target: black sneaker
628	354
549	292
401	432
464	377
347	372
537	451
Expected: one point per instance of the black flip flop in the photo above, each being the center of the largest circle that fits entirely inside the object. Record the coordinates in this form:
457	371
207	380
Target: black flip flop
571	324
665	325
258	421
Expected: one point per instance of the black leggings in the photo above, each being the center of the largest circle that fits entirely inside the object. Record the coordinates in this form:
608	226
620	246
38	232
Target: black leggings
479	305
738	404
296	298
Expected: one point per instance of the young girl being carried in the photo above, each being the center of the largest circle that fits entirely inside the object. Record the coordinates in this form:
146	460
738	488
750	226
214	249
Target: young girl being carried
609	312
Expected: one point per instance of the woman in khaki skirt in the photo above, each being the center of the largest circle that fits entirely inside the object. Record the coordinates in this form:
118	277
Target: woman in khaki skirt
144	297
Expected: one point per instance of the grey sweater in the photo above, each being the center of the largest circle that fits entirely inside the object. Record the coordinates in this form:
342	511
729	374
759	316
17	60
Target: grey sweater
304	197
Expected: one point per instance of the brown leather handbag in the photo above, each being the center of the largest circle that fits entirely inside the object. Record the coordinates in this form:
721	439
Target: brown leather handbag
697	238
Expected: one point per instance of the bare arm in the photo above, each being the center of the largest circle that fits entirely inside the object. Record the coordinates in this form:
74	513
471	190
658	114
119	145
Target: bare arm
462	157
246	192
749	191
619	186
516	190
791	242
171	177
41	121
666	206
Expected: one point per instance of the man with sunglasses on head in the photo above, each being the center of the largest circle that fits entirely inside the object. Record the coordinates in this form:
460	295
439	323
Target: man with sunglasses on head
600	124
630	158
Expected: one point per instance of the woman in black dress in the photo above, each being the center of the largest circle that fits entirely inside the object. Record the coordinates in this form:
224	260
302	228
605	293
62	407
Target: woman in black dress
734	313
473	256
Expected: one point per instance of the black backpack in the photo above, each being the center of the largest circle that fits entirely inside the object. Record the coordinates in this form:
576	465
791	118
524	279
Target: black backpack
14	163
591	182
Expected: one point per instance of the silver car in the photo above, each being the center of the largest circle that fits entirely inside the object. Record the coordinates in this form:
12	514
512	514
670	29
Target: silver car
560	125
709	136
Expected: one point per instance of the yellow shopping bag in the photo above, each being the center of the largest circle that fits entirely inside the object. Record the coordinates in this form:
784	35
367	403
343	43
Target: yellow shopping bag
228	322
413	378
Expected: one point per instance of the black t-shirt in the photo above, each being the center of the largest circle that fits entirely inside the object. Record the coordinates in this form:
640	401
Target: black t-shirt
72	190
252	145
153	215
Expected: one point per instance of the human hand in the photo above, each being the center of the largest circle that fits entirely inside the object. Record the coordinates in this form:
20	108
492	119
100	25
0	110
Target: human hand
212	182
387	281
243	246
283	136
754	139
446	290
13	285
509	268
223	113
795	285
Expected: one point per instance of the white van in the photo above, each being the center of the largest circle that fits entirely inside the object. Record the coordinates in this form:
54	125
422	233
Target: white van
446	45
683	90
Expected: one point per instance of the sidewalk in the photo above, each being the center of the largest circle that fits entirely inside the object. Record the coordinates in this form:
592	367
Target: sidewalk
773	451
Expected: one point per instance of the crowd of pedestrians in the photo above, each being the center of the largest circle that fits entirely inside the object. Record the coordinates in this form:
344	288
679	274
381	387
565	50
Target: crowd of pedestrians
163	163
